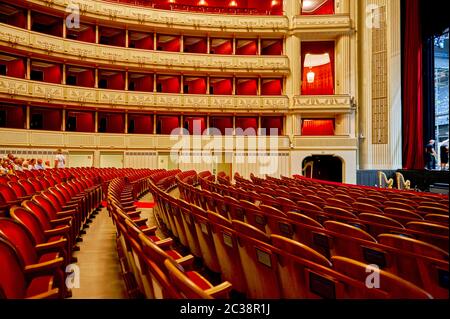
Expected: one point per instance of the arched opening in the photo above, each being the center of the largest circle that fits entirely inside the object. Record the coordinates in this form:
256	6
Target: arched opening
323	167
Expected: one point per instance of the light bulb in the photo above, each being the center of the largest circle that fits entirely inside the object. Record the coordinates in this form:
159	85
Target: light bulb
233	3
310	76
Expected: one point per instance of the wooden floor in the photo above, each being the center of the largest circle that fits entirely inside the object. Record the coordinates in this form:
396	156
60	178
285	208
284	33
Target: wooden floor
98	262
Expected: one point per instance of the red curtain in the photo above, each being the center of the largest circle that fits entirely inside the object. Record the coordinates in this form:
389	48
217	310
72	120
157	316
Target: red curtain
323	127
324	74
198	47
173	45
88	35
145	43
84	120
413	148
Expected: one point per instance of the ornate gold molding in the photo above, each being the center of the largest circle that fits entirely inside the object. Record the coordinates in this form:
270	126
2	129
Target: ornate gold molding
38	43
176	20
322	26
32	91
83	141
336	104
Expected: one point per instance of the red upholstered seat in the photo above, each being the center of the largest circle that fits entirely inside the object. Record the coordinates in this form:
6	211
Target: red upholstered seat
17	283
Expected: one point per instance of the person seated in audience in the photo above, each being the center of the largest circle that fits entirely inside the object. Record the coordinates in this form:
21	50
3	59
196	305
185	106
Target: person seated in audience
4	168
18	164
31	164
39	164
26	165
47	164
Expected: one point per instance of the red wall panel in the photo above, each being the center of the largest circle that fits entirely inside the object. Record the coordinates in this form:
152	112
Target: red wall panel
85	120
224	87
249	87
143	84
274	49
195	125
199	47
51	118
272	123
166	124
248	49
86	78
143	124
319	127
16	68
224	48
247	123
18	19
114	122
273	87
197	86
53	74
15	116
171	85
222	124
146	43
88	35
116	82
171	46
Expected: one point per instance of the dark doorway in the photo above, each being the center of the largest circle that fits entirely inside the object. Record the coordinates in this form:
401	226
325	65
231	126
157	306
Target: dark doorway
325	167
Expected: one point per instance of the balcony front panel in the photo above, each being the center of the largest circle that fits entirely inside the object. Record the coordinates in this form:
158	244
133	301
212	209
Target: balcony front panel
75	140
322	104
149	18
40	92
45	45
322	26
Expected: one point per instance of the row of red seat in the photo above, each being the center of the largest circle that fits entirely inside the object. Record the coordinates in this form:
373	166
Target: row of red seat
45	217
151	267
244	252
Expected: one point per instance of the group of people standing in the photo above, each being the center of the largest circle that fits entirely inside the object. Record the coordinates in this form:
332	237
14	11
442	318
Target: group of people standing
431	156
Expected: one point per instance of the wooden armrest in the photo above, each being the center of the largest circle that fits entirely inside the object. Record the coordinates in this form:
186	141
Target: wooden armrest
66	213
220	291
140	221
44	268
164	243
186	262
134	214
42	248
57	231
150	230
51	294
61	221
69	206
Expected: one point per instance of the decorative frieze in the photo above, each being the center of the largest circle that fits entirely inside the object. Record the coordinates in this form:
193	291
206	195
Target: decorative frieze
34	42
33	91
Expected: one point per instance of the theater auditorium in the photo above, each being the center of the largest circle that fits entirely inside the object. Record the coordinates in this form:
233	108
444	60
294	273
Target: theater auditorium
215	149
